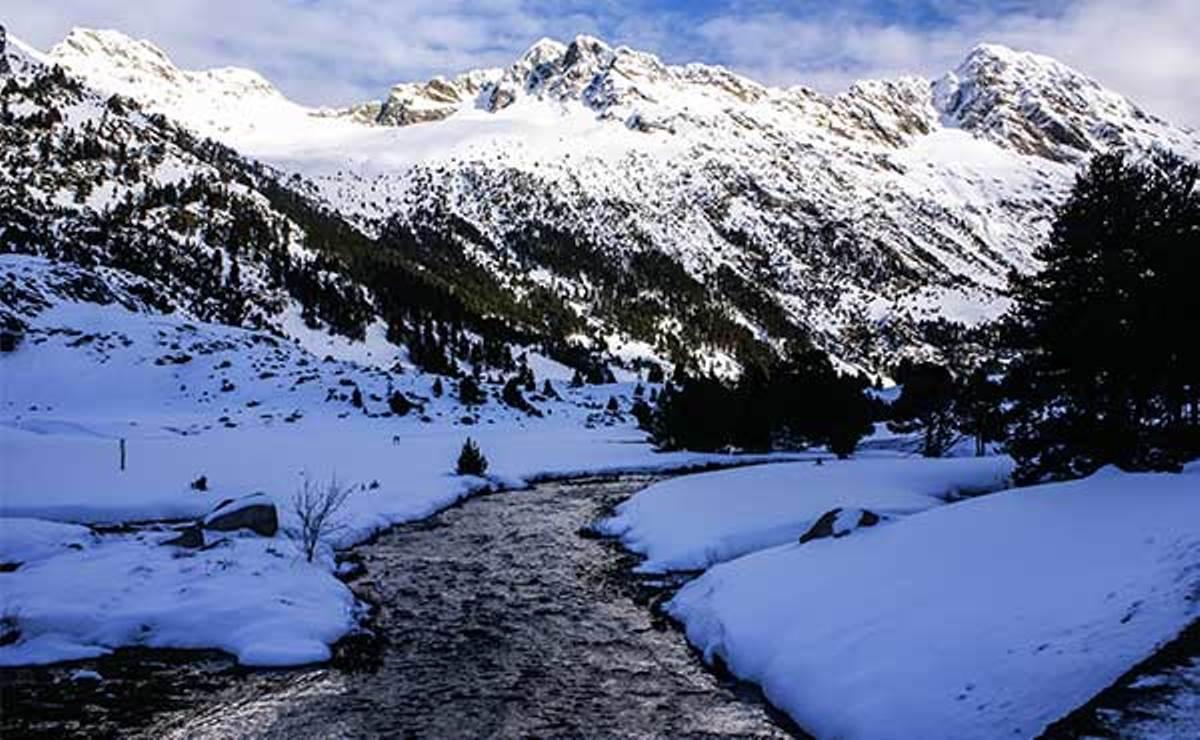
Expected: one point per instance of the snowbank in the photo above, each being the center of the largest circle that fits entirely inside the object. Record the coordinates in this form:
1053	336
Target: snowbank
691	523
22	540
250	596
987	618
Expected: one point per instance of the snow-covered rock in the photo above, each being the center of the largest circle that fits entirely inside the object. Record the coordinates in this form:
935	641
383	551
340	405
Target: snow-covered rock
840	522
255	512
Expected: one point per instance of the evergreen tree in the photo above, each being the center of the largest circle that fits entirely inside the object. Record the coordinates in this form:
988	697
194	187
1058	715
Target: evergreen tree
978	409
1105	371
926	405
437	388
851	416
471	460
399	404
644	415
470	393
512	396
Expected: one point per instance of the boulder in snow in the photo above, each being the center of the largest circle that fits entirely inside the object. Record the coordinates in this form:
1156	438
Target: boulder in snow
839	522
191	537
255	512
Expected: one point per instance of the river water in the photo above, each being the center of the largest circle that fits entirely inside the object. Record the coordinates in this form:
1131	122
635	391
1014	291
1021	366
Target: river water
500	617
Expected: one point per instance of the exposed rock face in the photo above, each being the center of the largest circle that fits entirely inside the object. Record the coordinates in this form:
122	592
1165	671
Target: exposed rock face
255	512
1036	105
838	523
411	102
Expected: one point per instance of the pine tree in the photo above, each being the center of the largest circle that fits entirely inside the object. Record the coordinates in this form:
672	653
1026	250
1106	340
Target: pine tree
469	392
512	396
471	460
1104	371
978	410
926	406
399	404
851	417
643	413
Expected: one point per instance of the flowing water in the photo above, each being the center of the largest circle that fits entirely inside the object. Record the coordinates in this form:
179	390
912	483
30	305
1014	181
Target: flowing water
500	617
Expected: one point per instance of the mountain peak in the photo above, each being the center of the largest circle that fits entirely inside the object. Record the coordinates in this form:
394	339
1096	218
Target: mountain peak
1036	104
97	43
115	62
543	50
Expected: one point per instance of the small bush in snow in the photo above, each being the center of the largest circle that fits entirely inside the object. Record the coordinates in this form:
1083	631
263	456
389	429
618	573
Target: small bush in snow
200	484
316	510
470	460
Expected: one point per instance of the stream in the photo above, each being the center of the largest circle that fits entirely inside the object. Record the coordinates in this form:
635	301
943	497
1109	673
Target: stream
499	617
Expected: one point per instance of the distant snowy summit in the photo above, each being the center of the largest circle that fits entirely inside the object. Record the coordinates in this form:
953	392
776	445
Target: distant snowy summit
1022	100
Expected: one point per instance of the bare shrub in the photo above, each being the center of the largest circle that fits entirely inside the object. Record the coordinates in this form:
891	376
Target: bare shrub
316	509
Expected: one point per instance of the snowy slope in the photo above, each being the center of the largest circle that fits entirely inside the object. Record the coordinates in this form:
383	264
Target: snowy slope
858	216
987	618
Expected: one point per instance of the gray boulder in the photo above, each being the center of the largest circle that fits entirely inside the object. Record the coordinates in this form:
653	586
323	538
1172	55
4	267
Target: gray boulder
191	537
255	512
840	522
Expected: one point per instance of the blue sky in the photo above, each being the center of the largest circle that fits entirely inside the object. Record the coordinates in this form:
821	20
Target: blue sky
338	51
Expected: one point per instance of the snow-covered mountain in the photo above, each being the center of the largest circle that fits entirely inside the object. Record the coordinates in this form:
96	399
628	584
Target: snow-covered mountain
685	210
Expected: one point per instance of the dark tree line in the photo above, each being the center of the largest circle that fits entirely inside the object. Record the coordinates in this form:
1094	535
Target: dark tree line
943	407
796	402
1106	365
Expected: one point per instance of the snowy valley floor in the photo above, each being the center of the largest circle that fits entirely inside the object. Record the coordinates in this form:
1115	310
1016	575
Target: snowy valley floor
249	413
954	616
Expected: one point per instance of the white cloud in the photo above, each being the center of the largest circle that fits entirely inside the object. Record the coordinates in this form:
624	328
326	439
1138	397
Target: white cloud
1146	51
318	51
336	51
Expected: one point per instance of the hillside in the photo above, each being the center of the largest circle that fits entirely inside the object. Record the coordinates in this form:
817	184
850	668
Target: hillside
684	211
